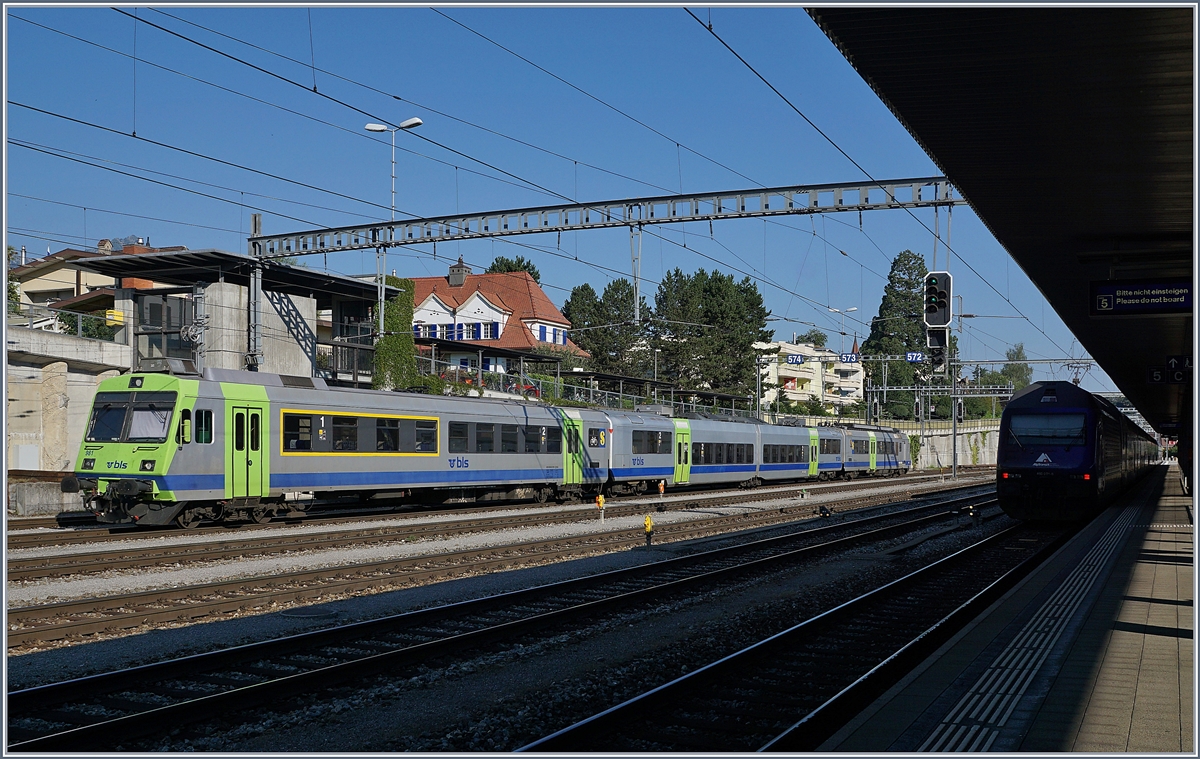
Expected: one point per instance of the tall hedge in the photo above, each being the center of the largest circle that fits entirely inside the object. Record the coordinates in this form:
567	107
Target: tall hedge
395	352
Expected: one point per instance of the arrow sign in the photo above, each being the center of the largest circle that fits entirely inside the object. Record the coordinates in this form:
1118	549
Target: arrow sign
1179	362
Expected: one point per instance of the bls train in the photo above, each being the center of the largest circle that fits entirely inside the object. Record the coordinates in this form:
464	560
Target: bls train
234	446
1065	453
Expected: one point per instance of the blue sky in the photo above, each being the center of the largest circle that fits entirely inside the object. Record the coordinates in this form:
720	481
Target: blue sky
719	128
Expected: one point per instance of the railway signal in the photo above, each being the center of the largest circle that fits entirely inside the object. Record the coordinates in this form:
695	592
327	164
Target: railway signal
938	341
938	292
958	410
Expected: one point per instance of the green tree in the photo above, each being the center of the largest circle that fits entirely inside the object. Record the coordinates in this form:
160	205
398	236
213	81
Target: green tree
1020	375
705	326
14	290
895	332
395	351
813	337
503	264
604	327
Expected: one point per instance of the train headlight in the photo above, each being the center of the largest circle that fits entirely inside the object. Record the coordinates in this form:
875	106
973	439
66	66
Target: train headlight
89	464
147	465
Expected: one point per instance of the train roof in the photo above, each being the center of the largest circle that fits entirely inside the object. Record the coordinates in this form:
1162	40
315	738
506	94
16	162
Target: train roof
1050	394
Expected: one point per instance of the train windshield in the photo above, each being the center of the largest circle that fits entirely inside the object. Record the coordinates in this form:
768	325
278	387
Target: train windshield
131	417
1047	429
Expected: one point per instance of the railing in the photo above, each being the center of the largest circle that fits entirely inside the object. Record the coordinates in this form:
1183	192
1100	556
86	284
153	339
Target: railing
86	326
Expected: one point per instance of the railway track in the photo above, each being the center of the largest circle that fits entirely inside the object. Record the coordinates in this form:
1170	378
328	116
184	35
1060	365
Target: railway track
250	544
794	689
111	710
69	619
81	527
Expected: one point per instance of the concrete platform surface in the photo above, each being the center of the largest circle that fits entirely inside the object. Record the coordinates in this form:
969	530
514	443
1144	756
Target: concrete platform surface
1092	653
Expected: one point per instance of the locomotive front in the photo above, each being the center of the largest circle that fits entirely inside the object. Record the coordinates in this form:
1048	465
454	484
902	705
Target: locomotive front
127	449
1046	468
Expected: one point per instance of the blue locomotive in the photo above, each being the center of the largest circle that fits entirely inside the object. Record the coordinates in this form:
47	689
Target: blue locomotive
235	446
1066	453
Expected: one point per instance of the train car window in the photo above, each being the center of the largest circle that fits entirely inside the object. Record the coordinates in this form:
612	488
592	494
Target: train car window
485	438
1047	429
345	433
151	418
458	437
426	436
508	438
387	434
204	426
534	438
766	453
750	453
553	440
574	444
183	433
739	453
860	446
108	417
254	431
830	446
718	453
638	442
698	452
729	453
802	454
239	431
297	432
664	443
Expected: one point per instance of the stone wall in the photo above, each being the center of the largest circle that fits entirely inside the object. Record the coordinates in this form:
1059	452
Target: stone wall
974	448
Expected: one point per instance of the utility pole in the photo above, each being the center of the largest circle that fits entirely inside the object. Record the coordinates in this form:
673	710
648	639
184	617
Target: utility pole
953	422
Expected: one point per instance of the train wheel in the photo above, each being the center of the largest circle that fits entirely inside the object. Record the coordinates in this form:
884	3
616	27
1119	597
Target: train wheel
188	519
541	495
262	515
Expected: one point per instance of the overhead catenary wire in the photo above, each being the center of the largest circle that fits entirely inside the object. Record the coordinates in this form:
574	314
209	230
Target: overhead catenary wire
858	166
416	104
267	103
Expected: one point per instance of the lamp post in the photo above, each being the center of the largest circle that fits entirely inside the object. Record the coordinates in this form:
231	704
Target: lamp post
380	252
843	330
656	352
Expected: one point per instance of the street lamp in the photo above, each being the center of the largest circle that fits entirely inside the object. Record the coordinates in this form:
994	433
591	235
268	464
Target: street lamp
412	123
843	330
656	352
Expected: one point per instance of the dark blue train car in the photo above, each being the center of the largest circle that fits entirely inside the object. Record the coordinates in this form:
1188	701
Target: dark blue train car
1065	453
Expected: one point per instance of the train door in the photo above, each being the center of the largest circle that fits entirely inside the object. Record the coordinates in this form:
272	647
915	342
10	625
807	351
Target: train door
812	451
573	450
873	460
248	436
683	451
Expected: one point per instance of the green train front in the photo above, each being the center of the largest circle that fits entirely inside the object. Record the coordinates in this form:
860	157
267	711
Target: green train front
149	449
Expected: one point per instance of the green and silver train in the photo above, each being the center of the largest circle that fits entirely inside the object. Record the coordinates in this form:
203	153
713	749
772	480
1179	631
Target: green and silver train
221	446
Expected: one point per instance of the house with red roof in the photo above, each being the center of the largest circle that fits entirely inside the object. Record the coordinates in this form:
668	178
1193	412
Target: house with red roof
504	310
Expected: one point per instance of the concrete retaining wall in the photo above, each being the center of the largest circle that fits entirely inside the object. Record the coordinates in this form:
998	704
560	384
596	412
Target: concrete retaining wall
974	448
30	499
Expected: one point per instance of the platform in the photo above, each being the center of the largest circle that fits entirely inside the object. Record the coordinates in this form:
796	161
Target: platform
1092	653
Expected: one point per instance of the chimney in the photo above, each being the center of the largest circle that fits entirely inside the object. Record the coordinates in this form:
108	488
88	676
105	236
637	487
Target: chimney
458	273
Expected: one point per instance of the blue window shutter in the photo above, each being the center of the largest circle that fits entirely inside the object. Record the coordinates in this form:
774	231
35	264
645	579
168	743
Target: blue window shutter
495	330
542	333
476	331
416	330
554	335
564	333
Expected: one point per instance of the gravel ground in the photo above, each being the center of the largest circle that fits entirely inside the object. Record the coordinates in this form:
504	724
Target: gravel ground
38	666
48	590
505	699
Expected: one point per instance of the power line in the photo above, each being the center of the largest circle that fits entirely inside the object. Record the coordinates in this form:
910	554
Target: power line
121	213
602	102
267	103
837	147
155	181
428	108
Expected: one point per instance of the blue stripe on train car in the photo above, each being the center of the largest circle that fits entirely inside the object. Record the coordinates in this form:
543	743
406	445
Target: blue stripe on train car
829	465
783	467
645	471
307	480
721	469
175	482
